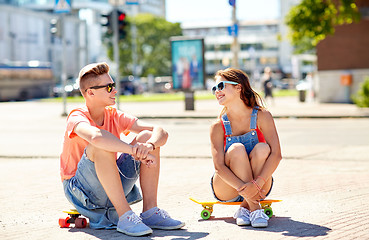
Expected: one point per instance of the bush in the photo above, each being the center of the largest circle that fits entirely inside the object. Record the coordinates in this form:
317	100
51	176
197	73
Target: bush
361	98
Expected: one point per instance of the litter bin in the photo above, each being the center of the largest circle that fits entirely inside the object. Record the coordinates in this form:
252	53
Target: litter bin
302	95
189	100
302	87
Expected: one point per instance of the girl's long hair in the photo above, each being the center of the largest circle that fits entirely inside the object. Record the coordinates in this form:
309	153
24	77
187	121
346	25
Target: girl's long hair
248	95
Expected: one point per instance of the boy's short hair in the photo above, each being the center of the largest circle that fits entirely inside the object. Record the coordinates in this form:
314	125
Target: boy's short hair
89	74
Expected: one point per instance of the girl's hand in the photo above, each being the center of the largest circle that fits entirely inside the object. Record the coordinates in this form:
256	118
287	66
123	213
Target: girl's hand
250	192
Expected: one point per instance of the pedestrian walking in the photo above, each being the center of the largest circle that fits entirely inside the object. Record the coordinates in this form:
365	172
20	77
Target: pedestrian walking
267	81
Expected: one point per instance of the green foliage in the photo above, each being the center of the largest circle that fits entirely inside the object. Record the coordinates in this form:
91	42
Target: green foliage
312	20
362	96
153	45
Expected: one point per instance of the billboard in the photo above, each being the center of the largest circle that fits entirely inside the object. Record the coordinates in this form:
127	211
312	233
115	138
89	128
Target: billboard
188	64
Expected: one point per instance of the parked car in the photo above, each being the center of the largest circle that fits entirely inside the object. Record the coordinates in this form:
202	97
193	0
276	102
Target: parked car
131	86
280	84
71	88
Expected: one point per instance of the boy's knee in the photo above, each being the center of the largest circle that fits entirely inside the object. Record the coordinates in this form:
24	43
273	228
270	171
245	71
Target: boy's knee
94	154
143	136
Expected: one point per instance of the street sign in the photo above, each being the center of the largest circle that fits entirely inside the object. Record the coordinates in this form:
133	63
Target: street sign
132	2
232	2
233	30
62	6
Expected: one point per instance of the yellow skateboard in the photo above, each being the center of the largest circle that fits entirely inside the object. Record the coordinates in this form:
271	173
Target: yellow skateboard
74	218
208	207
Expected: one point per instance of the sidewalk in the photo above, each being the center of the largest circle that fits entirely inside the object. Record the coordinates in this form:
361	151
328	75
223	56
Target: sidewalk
283	107
321	178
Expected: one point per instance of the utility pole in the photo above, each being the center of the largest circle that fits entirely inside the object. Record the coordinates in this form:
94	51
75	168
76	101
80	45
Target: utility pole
235	47
63	7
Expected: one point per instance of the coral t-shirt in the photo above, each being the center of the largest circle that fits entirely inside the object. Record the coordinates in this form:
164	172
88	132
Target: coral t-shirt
115	122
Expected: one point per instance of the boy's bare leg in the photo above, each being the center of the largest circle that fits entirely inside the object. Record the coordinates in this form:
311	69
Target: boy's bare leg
149	176
149	180
107	172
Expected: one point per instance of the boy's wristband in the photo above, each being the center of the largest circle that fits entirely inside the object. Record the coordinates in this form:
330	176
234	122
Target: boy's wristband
153	145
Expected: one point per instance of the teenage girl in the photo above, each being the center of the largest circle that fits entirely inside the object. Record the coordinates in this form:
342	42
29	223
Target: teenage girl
245	147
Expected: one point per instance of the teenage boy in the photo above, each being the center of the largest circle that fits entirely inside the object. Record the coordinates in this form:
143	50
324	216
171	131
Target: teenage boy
98	183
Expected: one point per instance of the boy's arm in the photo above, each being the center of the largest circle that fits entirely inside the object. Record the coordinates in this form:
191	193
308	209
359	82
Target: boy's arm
101	138
158	137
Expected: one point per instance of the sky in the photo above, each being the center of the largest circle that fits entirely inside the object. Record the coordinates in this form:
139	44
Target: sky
219	10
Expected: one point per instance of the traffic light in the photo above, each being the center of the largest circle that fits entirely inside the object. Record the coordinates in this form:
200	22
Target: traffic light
122	23
106	22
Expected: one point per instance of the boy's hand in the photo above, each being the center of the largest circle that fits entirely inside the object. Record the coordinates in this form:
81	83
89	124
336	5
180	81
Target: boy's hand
149	161
140	151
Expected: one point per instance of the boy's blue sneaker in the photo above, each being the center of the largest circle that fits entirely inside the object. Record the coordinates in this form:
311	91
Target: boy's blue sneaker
258	218
160	219
132	225
242	217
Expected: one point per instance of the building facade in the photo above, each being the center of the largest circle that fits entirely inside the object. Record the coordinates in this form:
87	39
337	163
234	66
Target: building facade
343	59
258	45
261	44
25	30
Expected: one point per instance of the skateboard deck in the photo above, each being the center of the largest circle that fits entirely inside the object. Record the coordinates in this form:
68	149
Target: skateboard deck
73	218
208	206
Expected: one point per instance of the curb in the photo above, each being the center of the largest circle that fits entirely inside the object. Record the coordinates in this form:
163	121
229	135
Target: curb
281	117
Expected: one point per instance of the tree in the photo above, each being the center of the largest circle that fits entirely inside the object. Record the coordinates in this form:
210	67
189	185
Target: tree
312	20
361	98
153	45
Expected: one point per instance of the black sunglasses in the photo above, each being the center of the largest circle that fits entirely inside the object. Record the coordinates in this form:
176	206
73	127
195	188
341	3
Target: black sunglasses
220	86
109	87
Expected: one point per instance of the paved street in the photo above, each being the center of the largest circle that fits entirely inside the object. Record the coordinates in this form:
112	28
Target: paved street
321	179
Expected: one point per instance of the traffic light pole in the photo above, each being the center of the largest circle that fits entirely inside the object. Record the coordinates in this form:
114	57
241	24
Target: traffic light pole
116	52
64	63
134	43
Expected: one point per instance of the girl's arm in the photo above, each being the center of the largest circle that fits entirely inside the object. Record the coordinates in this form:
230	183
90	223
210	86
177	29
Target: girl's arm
217	151
267	127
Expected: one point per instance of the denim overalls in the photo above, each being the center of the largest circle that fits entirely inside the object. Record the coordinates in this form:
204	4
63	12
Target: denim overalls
249	139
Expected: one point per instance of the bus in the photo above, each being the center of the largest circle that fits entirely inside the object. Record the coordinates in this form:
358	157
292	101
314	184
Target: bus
23	81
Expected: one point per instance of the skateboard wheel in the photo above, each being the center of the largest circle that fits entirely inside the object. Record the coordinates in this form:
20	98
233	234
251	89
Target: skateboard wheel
205	214
81	222
268	211
63	222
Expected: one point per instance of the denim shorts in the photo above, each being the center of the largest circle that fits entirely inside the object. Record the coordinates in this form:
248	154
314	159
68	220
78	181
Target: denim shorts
87	195
238	198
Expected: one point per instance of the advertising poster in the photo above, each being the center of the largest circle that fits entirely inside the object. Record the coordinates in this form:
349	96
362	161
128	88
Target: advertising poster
188	68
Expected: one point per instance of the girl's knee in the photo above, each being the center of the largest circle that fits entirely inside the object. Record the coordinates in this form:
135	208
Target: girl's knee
236	149
260	151
237	152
